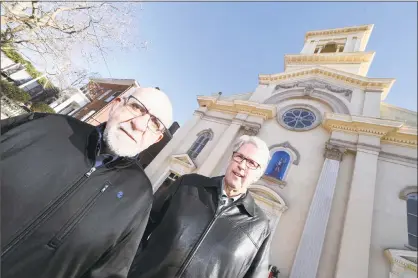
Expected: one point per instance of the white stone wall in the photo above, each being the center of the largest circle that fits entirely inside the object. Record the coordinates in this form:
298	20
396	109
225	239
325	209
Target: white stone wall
389	226
301	182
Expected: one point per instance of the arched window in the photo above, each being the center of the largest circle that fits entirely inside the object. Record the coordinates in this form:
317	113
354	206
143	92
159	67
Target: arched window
278	165
201	141
330	47
411	207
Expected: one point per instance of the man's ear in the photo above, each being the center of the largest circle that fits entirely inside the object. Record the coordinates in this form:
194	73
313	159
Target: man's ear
159	138
115	104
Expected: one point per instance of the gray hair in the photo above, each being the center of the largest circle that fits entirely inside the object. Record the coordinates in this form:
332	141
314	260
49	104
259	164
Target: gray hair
261	146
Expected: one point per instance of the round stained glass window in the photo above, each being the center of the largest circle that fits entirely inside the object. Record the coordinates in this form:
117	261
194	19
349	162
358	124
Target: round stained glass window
299	118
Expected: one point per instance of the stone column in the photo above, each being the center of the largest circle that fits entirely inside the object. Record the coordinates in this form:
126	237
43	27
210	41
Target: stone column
173	144
353	259
219	150
309	251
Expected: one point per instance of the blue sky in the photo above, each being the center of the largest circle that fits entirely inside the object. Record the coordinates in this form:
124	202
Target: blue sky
203	48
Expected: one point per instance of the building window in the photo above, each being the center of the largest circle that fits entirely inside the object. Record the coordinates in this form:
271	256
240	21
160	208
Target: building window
109	99
411	205
104	94
330	47
201	141
299	118
87	115
278	165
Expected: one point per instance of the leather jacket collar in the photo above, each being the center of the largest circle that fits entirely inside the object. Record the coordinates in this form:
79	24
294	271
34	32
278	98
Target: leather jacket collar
246	200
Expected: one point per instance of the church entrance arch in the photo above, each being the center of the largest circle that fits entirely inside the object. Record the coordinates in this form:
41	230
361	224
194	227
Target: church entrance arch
270	202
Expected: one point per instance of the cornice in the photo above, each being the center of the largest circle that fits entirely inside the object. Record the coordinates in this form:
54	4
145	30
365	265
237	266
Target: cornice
344	30
389	131
367	29
355	80
397	257
329	58
265	111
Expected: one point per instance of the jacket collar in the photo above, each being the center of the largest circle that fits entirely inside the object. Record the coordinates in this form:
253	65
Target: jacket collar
246	200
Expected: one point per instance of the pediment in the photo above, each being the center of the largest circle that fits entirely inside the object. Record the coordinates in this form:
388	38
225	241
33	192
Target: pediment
311	84
405	259
184	159
350	79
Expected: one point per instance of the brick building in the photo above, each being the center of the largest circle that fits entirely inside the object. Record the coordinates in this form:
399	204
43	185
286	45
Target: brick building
101	92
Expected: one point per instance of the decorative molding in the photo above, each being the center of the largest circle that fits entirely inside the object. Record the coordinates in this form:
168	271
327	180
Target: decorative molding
389	131
355	80
237	106
184	160
401	260
398	157
274	181
339	31
334	152
403	195
209	130
282	110
287	145
329	58
310	85
336	104
250	130
267	193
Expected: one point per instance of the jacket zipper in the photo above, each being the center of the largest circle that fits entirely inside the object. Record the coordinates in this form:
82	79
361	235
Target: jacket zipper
197	245
48	211
68	227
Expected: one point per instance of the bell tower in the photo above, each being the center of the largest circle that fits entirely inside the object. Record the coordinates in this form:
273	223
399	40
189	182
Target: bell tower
341	49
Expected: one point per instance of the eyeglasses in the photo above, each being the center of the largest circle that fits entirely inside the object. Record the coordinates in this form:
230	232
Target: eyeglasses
137	109
249	162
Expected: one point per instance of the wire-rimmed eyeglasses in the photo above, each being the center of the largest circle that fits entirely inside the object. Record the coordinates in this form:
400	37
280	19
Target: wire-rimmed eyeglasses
251	164
137	108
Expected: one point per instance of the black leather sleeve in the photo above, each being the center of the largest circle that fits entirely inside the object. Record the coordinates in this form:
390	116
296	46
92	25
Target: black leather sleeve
159	208
259	266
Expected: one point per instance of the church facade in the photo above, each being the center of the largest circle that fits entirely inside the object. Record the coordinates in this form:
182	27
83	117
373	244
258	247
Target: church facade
341	186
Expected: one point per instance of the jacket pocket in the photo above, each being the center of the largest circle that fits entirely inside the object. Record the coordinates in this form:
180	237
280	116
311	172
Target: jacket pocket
66	230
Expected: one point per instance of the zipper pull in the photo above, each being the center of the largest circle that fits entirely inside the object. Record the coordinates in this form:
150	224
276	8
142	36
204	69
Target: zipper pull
90	171
104	188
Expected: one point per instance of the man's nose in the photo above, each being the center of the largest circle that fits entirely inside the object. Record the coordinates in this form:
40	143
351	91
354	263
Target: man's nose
140	123
242	165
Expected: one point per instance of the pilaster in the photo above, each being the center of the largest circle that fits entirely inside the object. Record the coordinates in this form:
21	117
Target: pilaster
309	251
353	259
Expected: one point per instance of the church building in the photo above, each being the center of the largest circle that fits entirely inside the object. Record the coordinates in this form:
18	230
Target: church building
341	187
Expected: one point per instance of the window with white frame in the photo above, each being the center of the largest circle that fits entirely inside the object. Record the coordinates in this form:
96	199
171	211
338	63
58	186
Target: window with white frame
201	141
411	207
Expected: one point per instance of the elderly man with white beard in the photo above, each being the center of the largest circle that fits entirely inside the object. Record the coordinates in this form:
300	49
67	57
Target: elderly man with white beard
74	201
210	227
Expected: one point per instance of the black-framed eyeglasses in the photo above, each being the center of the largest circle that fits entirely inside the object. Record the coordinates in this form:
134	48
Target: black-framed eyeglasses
251	164
137	108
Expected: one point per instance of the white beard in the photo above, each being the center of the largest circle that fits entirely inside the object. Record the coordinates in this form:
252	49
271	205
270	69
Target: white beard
119	143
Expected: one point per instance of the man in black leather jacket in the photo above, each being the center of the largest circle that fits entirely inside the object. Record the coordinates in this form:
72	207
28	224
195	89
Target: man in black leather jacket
74	201
209	227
